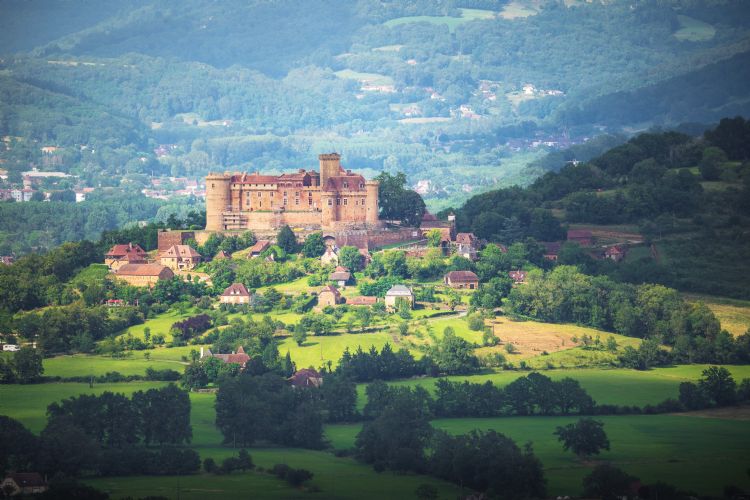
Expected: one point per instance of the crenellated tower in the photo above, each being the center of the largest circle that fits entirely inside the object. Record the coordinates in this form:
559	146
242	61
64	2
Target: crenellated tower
330	166
218	199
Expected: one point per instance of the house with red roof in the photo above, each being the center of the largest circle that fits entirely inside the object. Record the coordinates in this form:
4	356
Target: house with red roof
462	279
239	357
180	258
306	377
236	293
119	255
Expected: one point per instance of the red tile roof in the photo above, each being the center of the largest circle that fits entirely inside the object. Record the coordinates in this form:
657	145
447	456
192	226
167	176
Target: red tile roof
181	251
337	183
306	377
236	290
122	250
143	270
259	246
462	276
466	238
332	289
361	300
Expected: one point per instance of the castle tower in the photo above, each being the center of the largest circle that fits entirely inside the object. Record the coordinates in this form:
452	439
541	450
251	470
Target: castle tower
217	200
328	208
371	214
330	166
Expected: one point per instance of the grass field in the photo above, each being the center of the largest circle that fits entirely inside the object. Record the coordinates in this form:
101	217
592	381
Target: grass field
733	314
452	22
161	324
81	365
516	10
698	454
372	78
693	30
316	351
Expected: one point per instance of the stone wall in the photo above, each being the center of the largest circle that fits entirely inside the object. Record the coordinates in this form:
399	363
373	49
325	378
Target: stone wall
167	239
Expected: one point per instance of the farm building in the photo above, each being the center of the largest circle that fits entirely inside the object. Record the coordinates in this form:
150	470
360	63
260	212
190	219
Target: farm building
143	274
236	293
462	279
467	245
396	294
239	357
329	296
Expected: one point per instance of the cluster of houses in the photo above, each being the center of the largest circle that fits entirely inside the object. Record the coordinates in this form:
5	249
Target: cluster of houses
130	263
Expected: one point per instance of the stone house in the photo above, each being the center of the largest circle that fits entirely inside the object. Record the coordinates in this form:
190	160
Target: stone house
119	255
329	296
236	293
461	280
396	294
340	276
180	258
143	274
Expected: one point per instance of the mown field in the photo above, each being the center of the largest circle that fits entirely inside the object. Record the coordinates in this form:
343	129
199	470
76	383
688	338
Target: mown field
702	454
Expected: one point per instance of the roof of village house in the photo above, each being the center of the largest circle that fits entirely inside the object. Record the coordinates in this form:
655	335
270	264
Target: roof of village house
361	300
306	377
399	291
260	246
340	275
27	479
428	216
142	270
332	289
181	251
466	238
236	290
122	250
579	233
239	357
462	276
551	247
517	276
134	258
614	250
221	254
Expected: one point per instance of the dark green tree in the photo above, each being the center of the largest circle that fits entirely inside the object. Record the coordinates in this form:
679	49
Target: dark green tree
584	438
287	240
313	247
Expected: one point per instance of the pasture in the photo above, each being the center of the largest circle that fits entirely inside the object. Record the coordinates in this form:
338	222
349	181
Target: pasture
451	22
698	454
733	314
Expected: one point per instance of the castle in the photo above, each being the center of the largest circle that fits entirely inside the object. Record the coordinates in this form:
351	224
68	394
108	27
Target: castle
334	199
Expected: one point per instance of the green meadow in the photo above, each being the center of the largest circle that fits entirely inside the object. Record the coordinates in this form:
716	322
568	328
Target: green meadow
449	21
699	454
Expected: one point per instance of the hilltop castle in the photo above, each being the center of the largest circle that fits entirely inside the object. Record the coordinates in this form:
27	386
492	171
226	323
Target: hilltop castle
334	199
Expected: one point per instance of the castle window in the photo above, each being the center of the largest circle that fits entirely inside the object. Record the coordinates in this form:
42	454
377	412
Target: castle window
309	201
330	202
345	200
286	202
213	185
260	204
247	201
361	185
338	201
260	193
296	193
346	184
296	201
271	194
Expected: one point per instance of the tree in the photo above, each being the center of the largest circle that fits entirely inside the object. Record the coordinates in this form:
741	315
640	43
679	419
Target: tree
339	398
584	438
350	258
287	240
27	363
299	335
718	385
607	482
711	162
434	237
313	247
398	203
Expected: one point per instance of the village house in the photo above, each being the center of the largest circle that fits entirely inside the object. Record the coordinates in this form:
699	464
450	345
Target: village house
581	236
221	254
461	280
615	253
340	276
517	276
330	256
306	377
239	357
143	274
396	294
7	259
23	484
236	293
180	258
329	296
361	300
447	228
257	249
467	245
551	249
119	255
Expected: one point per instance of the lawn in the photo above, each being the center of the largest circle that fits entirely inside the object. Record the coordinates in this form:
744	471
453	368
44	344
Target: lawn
317	350
451	22
698	454
161	324
734	315
372	78
615	386
82	365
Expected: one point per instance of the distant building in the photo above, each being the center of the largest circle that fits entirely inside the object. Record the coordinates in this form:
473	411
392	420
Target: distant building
551	249
306	377
341	276
467	245
236	293
330	256
119	255
180	258
221	254
143	274
239	357
461	280
23	484
329	296
7	260
361	300
517	276
257	249
396	294
447	228
615	253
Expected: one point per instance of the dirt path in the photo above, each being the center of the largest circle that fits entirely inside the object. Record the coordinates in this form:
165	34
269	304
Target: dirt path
728	413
